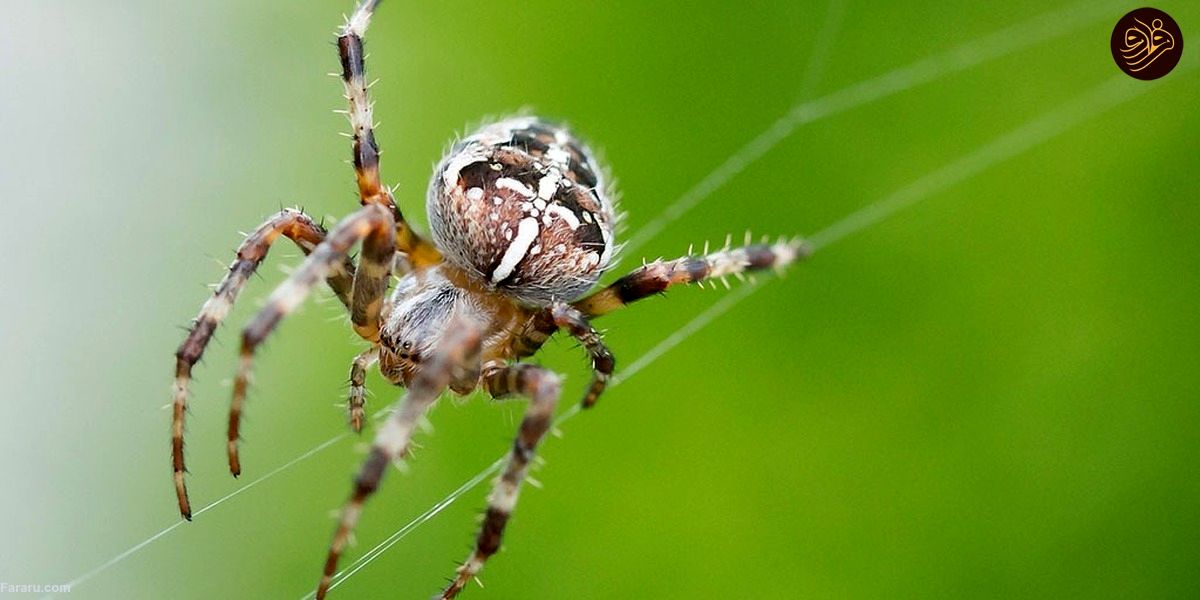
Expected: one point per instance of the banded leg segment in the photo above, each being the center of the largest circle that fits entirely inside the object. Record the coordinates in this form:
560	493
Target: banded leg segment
365	150
534	334
358	392
542	387
459	354
375	263
603	362
290	223
371	221
657	276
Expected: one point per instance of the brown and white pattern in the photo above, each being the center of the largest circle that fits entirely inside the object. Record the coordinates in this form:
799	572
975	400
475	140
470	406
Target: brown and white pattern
290	223
392	441
541	387
373	226
360	113
521	205
603	363
655	277
523	226
357	397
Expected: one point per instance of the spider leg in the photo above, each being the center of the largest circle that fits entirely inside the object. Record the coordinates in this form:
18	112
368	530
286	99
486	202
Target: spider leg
366	152
458	355
534	334
358	377
656	277
603	362
541	386
650	279
375	263
290	223
373	225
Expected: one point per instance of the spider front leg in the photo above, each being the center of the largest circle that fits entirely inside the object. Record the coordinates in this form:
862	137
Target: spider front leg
374	226
365	150
541	386
293	225
454	362
656	277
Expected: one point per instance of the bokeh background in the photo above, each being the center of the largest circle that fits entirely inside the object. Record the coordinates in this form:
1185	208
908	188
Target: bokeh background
992	394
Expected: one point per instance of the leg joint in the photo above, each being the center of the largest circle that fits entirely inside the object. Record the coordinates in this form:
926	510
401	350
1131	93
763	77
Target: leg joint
372	471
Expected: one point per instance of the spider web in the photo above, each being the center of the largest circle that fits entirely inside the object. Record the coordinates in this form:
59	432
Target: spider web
1037	30
1113	92
995	45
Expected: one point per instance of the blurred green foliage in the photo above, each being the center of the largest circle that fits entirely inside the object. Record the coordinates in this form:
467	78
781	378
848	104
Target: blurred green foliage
993	394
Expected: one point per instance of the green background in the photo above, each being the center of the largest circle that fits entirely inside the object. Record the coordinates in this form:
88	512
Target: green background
992	394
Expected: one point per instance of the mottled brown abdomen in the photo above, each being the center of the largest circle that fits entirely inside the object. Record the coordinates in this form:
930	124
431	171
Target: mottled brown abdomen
522	206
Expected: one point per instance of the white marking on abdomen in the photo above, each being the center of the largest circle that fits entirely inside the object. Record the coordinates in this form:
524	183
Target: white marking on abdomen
467	156
563	213
514	185
549	184
608	246
527	231
559	156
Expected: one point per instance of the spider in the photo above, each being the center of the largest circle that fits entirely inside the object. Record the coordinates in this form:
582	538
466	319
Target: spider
522	222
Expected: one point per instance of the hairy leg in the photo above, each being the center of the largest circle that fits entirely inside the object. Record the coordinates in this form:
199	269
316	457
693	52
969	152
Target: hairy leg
459	354
603	362
370	224
534	334
650	279
366	152
289	223
375	263
541	386
656	277
358	395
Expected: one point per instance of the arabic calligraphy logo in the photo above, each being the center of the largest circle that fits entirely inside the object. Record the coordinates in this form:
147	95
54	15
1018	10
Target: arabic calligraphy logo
1147	43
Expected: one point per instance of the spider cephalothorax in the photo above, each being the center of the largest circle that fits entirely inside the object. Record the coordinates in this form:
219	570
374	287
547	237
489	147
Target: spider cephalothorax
522	227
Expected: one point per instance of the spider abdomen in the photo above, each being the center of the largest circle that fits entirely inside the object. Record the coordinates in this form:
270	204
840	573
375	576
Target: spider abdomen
521	205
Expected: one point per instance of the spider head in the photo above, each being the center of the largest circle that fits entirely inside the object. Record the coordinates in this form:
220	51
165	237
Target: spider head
521	207
415	326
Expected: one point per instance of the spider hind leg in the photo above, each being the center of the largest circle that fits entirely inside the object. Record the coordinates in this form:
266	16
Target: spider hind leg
542	387
457	357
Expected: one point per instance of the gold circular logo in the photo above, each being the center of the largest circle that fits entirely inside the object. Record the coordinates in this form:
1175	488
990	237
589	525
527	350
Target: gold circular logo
1147	43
